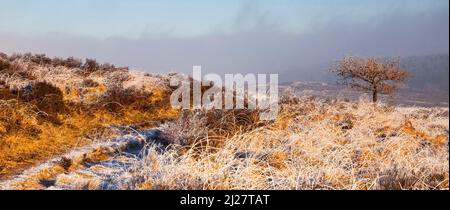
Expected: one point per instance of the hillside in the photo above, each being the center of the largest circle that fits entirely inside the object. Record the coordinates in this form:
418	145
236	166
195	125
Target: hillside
404	97
50	106
428	72
67	124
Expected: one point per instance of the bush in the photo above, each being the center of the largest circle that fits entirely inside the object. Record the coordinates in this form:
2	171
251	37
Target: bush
107	67
47	98
58	62
193	127
90	83
15	56
17	118
90	65
4	64
40	59
117	97
8	67
69	62
72	62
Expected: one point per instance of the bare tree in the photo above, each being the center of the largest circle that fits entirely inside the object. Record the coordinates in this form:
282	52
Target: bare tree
377	76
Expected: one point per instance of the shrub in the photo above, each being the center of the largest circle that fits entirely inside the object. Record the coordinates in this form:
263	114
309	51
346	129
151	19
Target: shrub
9	68
4	64
107	67
72	62
116	79
47	98
193	127
117	97
40	59
5	94
90	83
17	118
58	61
15	56
90	65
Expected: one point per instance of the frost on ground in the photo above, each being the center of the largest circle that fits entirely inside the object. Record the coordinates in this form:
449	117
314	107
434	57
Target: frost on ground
314	144
51	106
65	110
105	165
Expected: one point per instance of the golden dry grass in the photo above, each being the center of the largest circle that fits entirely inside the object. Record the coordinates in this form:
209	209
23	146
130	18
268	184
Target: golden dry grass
53	109
313	145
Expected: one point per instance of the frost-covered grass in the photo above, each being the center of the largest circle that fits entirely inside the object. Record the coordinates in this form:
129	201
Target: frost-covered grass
47	110
313	145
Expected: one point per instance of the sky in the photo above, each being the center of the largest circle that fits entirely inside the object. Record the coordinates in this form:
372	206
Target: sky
295	37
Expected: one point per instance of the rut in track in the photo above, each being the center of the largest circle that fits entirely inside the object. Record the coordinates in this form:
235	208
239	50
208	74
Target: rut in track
105	165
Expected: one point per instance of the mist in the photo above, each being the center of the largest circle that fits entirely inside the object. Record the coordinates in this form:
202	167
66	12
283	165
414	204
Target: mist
262	46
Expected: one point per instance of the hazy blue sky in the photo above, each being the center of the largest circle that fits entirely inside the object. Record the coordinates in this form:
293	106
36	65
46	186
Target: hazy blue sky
298	38
136	18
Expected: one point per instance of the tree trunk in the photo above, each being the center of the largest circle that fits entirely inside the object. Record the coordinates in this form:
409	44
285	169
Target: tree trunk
374	96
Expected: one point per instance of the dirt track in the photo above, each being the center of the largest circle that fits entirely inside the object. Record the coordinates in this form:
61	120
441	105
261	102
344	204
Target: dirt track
104	165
